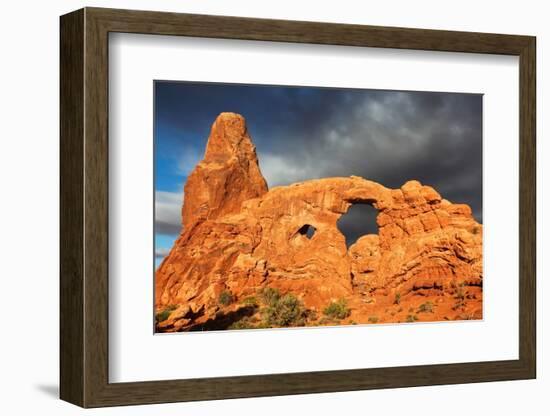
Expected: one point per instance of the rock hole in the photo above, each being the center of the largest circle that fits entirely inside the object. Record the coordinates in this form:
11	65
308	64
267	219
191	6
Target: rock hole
307	230
360	220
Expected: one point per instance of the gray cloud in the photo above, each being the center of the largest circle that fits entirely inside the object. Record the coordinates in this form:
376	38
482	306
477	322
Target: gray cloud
359	220
168	212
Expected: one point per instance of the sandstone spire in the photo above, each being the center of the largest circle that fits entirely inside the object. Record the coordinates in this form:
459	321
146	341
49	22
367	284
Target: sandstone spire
228	175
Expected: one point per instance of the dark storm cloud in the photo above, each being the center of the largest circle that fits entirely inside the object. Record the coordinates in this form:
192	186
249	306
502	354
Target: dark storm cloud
168	212
358	221
386	136
168	228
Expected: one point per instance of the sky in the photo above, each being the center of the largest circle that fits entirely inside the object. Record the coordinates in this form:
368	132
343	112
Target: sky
305	133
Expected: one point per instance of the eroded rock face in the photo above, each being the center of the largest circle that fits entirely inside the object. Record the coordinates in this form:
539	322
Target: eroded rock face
238	238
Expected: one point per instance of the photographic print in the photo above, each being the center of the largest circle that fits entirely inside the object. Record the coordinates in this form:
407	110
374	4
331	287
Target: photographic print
295	206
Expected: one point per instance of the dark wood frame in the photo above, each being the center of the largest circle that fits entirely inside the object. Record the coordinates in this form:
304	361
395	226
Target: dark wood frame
84	207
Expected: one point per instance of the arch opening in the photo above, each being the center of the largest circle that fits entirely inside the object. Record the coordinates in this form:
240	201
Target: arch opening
308	230
360	220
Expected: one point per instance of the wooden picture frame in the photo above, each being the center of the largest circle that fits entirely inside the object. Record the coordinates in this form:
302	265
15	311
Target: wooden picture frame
85	218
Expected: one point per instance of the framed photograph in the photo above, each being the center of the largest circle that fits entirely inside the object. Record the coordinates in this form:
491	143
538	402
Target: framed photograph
256	207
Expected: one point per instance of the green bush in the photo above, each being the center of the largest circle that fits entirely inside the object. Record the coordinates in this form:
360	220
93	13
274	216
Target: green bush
226	298
337	310
426	307
397	300
270	296
460	297
284	311
244	323
250	301
411	318
328	321
165	313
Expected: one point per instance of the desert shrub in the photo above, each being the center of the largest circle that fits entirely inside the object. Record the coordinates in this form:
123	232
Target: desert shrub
466	317
373	319
250	301
337	310
165	313
270	296
426	307
460	293
244	323
411	318
397	299
287	310
328	321
460	296
311	315
226	298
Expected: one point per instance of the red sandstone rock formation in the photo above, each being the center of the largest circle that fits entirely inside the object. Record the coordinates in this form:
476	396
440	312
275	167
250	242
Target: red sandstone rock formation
239	238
